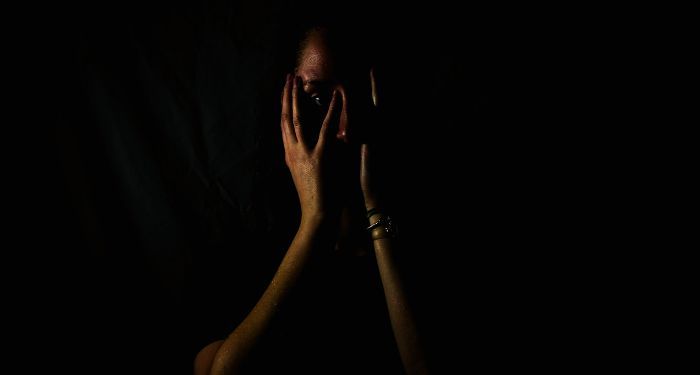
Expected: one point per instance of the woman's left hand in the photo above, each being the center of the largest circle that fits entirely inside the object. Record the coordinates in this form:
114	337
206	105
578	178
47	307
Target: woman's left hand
366	165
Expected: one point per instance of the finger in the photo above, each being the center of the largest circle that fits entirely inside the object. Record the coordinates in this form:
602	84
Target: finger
296	115
284	134
286	119
282	115
364	158
331	122
373	81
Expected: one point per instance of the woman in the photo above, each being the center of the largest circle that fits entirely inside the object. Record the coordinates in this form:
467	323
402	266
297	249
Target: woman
326	110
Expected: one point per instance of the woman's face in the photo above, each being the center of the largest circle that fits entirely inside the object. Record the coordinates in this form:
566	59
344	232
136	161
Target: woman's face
324	66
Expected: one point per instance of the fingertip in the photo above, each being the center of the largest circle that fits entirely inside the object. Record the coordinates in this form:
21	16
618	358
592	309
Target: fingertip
284	89
373	83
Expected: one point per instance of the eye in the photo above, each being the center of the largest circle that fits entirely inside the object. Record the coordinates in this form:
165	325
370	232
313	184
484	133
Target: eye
319	99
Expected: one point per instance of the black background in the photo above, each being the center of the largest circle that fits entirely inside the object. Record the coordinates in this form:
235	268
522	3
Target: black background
146	171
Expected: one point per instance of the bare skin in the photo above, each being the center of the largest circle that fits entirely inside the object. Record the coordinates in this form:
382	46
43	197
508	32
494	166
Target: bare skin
402	321
309	167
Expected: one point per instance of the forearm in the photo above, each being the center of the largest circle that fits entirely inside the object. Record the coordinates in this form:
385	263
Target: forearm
237	347
402	319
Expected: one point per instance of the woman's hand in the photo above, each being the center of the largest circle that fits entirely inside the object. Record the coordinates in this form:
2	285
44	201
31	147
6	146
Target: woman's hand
366	163
366	177
308	166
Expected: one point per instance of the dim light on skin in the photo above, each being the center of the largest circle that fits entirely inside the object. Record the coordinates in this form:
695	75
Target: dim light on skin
319	79
322	70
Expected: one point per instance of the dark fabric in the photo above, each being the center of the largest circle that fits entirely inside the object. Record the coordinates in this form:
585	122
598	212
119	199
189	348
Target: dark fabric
182	205
163	205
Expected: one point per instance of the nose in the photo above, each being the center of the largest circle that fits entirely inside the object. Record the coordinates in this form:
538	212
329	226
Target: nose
344	130
355	114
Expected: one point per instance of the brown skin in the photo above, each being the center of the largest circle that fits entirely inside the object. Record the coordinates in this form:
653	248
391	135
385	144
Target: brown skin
310	170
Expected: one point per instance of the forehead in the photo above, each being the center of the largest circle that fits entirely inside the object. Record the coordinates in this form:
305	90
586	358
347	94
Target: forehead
324	57
316	59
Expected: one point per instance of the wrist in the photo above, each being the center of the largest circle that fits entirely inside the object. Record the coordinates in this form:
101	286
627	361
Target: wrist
312	219
375	217
375	213
370	198
370	204
381	226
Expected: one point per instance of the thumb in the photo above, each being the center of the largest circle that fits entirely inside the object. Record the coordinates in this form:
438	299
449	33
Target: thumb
364	165
364	156
366	177
373	83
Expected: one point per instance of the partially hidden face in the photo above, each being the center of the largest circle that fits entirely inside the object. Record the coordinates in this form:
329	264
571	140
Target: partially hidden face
326	64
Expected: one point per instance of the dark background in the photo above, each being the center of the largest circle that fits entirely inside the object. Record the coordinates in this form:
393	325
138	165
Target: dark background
158	165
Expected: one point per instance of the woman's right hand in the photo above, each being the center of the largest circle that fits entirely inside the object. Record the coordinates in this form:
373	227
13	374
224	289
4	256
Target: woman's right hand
307	165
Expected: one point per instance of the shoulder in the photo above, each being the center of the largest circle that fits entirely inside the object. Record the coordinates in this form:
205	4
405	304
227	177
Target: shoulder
205	357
